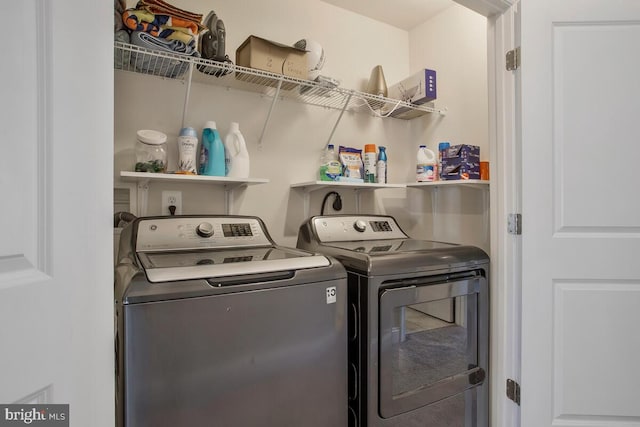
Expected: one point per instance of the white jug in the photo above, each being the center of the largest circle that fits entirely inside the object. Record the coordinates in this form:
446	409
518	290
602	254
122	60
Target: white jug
237	156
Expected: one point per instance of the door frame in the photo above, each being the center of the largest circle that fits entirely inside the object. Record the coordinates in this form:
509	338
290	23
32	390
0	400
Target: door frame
503	23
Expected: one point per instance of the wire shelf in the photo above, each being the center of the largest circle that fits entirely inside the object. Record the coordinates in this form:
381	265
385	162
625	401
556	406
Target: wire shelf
187	68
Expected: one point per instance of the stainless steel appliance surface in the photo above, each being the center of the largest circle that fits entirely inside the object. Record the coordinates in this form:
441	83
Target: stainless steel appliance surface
418	326
216	325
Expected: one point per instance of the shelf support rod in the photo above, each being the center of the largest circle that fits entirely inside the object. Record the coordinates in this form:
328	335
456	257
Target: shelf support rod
143	197
335	126
187	94
266	123
228	199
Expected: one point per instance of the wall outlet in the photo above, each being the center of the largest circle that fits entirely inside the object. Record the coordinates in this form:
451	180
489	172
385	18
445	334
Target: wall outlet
171	198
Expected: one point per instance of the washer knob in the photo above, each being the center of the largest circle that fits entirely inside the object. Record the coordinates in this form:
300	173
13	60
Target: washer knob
204	229
360	225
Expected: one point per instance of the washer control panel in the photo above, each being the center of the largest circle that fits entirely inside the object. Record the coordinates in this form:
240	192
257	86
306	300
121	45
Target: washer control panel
358	227
176	233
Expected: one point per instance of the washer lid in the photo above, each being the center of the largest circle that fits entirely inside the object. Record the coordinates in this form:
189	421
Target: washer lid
402	256
202	264
386	247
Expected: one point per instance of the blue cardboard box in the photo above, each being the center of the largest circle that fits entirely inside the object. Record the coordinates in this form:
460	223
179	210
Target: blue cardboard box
463	151
454	168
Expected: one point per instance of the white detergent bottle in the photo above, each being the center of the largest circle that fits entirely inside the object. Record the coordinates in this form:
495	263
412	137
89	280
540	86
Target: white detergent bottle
426	165
237	156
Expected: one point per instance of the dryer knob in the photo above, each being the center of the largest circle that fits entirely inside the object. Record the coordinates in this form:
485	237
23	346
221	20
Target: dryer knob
204	229
360	225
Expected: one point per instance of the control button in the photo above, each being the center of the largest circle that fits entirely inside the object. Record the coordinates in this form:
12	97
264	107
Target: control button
204	229
360	226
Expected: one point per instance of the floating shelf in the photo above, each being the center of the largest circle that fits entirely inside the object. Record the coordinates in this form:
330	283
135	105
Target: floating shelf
471	183
318	185
311	186
144	178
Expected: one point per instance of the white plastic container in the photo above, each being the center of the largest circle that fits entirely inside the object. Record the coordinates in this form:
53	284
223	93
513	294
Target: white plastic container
187	150
236	155
426	169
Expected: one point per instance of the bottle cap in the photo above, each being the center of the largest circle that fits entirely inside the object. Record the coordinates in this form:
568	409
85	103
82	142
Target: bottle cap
210	124
443	145
188	131
423	146
380	147
234	127
370	148
330	146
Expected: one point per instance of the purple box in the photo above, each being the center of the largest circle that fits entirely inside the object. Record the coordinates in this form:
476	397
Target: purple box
419	88
454	168
467	152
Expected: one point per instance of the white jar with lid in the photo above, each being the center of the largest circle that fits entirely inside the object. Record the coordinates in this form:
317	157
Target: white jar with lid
151	151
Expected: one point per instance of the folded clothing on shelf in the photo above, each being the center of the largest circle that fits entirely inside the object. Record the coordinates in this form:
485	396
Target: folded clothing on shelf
165	67
161	7
164	26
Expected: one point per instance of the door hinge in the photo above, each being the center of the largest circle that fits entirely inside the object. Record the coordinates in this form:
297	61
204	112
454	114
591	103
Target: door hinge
514	224
513	59
513	391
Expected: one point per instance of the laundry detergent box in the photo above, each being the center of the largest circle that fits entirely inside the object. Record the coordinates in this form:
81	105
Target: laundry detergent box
454	168
465	152
419	88
262	54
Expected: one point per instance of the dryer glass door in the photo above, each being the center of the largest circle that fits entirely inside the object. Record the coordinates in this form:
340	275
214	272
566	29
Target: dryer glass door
429	346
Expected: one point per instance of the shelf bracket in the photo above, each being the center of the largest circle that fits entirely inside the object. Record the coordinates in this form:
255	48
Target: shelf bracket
266	123
335	126
357	201
187	95
143	197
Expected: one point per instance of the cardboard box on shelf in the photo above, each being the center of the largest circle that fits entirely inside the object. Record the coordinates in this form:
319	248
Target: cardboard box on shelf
461	161
454	168
418	89
463	151
277	58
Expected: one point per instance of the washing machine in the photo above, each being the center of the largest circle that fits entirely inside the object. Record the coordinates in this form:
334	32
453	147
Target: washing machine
418	326
216	325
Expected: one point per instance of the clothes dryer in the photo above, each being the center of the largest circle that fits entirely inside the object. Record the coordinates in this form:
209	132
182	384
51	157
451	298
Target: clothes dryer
418	326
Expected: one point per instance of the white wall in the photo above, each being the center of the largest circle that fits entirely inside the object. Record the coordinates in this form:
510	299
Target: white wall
297	133
454	44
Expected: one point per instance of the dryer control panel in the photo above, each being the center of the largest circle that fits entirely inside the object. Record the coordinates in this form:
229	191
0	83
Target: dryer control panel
341	228
178	233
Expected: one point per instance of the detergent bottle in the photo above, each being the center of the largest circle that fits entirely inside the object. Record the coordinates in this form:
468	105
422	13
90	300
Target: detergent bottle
236	154
211	151
426	168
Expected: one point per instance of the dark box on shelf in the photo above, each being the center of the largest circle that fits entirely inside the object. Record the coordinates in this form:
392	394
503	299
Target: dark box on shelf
454	168
463	151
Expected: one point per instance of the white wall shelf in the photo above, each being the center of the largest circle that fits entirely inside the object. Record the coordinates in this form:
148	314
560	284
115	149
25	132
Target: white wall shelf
142	179
187	69
470	183
311	186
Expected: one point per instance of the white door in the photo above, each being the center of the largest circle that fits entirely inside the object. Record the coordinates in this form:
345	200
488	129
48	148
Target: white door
56	141
581	213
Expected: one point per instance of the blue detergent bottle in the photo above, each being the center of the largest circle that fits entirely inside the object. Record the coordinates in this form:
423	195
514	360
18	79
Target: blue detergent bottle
212	153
